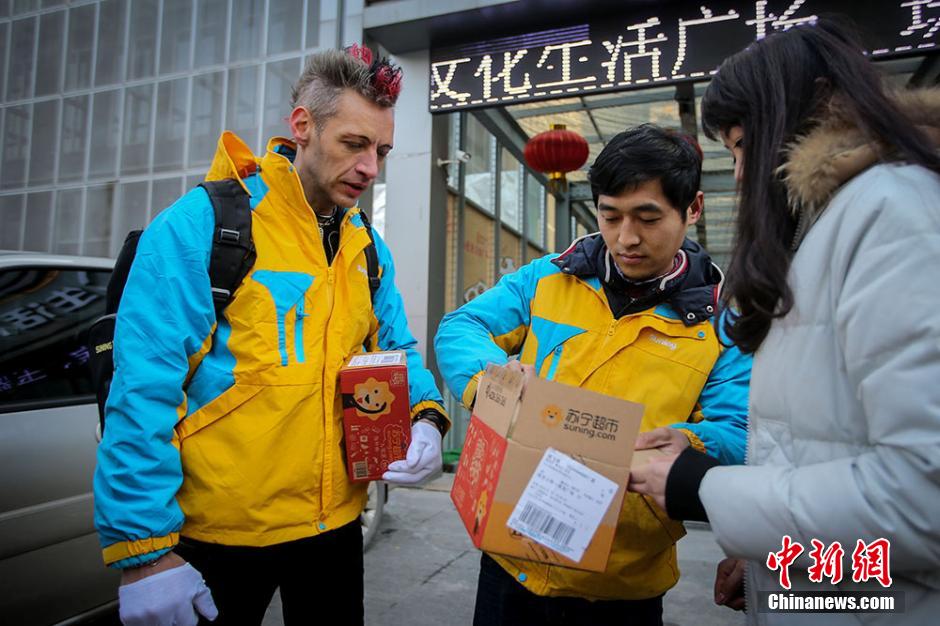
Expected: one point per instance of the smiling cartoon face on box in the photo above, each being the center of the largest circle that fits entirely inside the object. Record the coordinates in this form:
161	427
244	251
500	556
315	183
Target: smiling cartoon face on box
373	398
376	412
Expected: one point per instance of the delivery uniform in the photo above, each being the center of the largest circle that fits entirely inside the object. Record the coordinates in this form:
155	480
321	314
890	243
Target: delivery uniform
659	349
229	431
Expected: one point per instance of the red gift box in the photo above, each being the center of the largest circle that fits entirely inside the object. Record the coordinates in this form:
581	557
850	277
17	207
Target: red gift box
376	412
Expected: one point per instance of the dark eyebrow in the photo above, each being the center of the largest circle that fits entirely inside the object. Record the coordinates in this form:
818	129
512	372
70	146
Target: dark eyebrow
731	144
649	207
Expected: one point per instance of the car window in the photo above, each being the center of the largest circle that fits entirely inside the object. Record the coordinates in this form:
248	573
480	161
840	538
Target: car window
44	318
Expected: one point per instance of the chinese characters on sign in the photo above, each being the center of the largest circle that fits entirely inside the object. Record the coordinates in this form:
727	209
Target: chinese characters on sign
870	561
45	322
64	301
653	46
26	376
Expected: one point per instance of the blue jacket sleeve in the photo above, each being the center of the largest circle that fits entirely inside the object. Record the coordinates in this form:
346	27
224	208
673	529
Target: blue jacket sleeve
724	405
393	334
488	329
164	319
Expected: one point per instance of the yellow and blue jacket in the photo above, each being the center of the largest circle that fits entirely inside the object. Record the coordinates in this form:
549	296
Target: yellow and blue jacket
230	431
555	314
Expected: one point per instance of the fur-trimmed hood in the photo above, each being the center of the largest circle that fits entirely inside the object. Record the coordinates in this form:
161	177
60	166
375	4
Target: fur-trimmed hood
834	151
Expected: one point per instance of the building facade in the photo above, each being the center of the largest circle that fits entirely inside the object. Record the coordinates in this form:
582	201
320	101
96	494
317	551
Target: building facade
111	109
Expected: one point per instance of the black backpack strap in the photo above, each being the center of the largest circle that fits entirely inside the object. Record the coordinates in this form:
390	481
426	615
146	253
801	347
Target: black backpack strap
233	255
100	339
122	268
233	249
372	258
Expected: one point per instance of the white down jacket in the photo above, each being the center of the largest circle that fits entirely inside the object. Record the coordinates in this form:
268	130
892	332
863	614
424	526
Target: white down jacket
844	433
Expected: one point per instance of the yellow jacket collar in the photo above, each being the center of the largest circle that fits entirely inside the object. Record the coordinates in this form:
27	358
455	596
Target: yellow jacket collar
279	167
233	159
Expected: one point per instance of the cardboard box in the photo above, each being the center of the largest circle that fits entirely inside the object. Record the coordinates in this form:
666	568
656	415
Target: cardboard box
376	412
509	434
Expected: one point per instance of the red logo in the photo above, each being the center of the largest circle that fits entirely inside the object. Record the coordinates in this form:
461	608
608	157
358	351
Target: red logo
872	560
826	563
783	559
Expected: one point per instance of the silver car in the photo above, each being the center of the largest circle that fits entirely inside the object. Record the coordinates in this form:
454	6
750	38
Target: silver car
50	563
51	570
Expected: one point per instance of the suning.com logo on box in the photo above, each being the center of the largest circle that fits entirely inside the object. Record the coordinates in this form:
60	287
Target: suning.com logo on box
551	415
590	425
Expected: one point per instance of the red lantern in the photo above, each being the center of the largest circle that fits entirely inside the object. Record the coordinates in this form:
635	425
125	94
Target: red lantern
556	152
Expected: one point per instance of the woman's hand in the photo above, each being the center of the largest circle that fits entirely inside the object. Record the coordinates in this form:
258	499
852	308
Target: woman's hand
729	584
650	479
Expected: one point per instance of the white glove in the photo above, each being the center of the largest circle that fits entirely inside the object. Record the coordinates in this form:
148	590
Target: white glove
423	460
170	598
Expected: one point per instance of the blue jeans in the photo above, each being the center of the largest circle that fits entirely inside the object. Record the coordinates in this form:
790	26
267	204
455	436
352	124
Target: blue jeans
502	601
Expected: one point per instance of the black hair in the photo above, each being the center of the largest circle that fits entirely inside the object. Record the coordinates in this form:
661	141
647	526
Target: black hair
778	89
645	153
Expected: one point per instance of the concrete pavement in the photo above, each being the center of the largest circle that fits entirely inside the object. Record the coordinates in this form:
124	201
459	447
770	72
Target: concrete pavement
422	569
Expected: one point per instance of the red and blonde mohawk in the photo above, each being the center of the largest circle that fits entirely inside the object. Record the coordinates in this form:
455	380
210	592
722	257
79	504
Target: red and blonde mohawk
385	76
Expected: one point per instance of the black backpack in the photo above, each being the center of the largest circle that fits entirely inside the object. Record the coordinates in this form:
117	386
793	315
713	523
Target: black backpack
232	257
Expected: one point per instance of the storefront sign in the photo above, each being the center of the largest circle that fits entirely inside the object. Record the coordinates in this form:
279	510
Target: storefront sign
654	46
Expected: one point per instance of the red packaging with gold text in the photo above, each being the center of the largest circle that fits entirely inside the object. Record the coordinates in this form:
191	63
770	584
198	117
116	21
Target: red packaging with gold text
376	412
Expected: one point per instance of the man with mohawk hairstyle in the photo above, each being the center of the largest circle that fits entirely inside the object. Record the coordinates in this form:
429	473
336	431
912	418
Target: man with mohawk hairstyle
221	476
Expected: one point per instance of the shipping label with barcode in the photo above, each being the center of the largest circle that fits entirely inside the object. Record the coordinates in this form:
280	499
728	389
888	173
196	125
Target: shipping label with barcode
377	358
563	504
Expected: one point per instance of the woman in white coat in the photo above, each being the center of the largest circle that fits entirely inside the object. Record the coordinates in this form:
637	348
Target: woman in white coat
834	281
